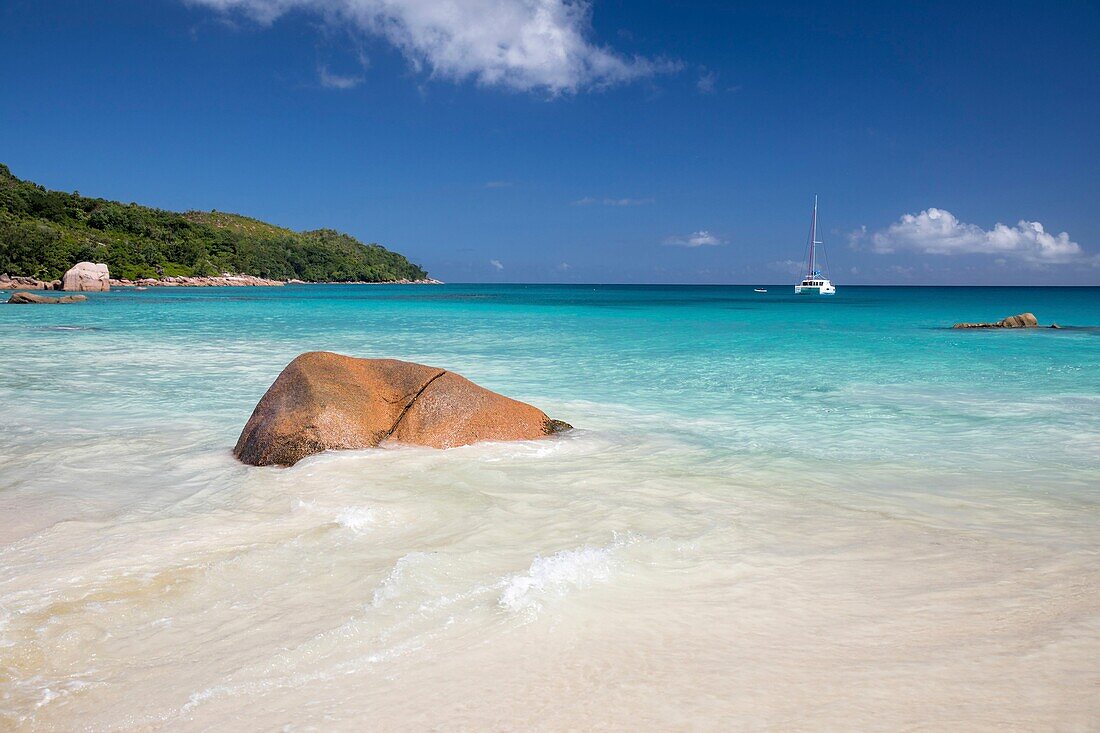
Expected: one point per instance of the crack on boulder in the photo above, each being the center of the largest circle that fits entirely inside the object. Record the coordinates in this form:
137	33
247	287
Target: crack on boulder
408	406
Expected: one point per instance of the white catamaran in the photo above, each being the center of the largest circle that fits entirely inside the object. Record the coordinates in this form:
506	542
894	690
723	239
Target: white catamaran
815	282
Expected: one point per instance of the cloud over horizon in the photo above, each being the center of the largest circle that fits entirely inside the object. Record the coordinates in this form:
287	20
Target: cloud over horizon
791	267
523	45
938	232
590	200
700	238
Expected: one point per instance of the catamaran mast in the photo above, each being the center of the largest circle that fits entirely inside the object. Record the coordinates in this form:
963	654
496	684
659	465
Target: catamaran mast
812	271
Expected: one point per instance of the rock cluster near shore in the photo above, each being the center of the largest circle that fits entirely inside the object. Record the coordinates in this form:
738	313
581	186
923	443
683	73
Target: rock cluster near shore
27	298
199	282
1023	320
81	277
325	401
90	276
17	282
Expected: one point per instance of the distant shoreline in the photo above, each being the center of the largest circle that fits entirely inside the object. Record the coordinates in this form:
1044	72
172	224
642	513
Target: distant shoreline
247	281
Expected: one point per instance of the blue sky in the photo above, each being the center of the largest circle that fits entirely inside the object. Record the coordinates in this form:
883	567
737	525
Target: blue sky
549	141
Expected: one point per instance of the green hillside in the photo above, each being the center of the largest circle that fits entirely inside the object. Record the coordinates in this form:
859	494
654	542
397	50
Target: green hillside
43	233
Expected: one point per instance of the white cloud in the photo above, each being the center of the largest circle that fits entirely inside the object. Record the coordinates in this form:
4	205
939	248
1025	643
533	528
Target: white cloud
697	239
706	82
590	200
518	44
856	237
938	232
790	267
497	264
330	80
565	266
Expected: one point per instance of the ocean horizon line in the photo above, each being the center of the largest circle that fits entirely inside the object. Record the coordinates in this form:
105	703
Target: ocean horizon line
749	284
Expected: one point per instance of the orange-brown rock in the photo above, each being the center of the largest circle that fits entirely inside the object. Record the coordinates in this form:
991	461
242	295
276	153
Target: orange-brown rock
324	401
1023	320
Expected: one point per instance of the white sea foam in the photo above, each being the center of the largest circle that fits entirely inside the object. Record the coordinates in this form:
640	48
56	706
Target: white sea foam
391	584
48	696
357	518
557	575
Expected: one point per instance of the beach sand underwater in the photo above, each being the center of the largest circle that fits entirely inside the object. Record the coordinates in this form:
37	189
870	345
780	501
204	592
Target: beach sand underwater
775	513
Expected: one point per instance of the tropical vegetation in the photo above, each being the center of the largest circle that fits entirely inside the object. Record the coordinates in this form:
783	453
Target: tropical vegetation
43	233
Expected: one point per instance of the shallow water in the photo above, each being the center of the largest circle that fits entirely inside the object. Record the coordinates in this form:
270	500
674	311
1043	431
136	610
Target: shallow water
775	514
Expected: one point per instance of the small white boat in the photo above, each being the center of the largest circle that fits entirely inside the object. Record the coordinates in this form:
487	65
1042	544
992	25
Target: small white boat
759	290
815	282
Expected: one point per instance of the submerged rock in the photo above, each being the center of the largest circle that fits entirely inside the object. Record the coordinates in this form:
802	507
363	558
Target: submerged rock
20	298
1023	320
88	277
324	401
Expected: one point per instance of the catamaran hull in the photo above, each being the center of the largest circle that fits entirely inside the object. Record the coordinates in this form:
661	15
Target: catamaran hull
809	290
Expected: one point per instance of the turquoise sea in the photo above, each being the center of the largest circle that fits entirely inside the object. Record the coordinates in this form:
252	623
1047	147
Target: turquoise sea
776	512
